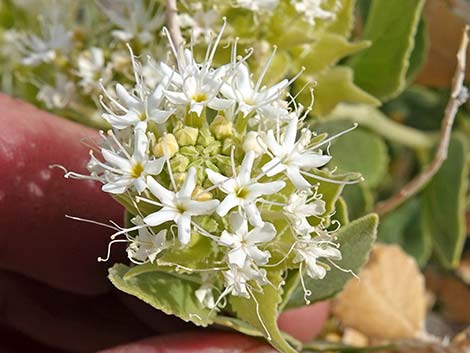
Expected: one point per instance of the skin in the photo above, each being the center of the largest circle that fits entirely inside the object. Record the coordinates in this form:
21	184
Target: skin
54	295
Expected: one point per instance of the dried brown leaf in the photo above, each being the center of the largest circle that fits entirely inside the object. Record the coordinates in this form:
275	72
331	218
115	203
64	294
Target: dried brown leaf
389	300
444	29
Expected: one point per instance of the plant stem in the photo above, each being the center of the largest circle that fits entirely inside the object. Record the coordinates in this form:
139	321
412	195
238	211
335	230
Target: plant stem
172	23
459	95
375	120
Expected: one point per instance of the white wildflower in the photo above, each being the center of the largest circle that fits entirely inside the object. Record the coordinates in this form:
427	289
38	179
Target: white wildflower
134	19
121	170
179	206
243	191
146	245
244	243
59	95
291	156
309	251
299	208
91	67
237	278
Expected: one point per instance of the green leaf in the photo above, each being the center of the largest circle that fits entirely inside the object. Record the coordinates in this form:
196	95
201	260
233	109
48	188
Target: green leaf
391	26
344	21
359	200
333	87
341	214
170	294
444	204
356	240
359	151
419	53
261	312
404	227
327	51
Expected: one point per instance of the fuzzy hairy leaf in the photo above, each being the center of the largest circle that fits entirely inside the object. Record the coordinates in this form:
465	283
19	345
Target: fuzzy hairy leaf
391	26
334	86
165	292
264	306
444	204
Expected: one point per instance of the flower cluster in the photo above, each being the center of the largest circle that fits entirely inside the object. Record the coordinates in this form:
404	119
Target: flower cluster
210	155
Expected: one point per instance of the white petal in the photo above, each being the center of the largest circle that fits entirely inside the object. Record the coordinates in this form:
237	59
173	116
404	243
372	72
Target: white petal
273	167
201	208
237	257
140	184
118	186
220	104
141	144
164	215
297	179
227	239
124	96
154	167
165	196
244	175
189	184
253	214
258	189
259	257
290	134
262	234
272	144
115	160
184	228
159	116
176	97
215	178
227	204
238	223
313	160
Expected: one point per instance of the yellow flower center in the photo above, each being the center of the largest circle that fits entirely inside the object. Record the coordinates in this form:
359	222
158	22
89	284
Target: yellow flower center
136	170
199	97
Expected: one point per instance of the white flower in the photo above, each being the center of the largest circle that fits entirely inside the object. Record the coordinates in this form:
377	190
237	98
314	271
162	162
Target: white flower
311	9
196	85
244	243
291	157
178	207
254	141
243	191
135	19
298	209
120	173
43	49
310	250
251	96
59	95
205	296
200	22
258	5
91	67
146	245
136	109
236	278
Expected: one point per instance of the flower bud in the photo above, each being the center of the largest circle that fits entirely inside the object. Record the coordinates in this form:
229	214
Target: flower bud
179	179
199	195
187	136
254	142
179	163
205	137
166	146
221	127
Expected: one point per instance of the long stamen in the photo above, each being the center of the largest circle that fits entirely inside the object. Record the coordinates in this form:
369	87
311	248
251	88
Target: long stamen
265	69
268	335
